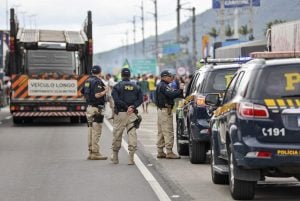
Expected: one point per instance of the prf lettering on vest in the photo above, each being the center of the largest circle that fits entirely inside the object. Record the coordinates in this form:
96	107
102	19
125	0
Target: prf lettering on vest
228	78
128	87
292	79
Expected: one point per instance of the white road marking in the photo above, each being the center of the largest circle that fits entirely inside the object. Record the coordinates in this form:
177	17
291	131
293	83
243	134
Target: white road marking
159	191
8	117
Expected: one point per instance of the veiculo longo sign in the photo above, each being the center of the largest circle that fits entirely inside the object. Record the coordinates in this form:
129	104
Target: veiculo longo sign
52	87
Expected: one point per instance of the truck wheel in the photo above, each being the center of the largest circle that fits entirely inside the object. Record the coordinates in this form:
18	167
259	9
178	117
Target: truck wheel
239	189
197	152
216	177
74	120
17	120
182	149
83	119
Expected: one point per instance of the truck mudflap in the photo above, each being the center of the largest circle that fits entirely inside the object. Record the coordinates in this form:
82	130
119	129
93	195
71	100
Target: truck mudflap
48	114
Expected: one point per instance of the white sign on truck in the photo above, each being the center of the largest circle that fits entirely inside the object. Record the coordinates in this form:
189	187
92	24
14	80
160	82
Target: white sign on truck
52	87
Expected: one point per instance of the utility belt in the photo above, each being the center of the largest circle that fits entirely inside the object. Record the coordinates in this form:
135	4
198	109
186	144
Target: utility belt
167	107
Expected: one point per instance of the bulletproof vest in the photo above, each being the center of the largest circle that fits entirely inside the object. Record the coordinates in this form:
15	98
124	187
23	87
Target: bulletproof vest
90	90
161	99
128	92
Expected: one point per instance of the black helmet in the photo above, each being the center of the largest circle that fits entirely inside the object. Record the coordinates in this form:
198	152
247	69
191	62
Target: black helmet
125	72
96	69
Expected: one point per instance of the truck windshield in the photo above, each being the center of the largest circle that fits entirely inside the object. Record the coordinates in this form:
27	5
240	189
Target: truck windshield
50	61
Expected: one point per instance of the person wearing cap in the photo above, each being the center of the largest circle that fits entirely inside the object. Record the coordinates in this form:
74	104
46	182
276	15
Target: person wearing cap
94	91
128	97
165	96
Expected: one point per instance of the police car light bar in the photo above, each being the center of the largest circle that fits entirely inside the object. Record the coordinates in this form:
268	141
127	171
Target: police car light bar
274	55
226	60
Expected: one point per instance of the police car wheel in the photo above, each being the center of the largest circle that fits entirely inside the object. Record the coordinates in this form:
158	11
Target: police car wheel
239	189
83	119
197	151
216	177
74	120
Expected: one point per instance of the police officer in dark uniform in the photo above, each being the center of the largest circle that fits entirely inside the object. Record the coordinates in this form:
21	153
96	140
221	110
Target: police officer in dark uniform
165	96
127	97
94	92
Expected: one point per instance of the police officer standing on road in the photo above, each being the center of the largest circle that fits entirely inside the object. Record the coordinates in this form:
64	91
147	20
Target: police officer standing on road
94	92
127	97
165	96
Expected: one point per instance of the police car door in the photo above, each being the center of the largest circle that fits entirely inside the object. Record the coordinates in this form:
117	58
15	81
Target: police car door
226	113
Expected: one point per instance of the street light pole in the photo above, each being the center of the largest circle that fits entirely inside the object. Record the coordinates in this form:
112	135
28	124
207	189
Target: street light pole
7	15
178	21
156	30
143	27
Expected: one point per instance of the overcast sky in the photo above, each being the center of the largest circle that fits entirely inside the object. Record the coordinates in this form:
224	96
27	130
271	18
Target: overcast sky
111	18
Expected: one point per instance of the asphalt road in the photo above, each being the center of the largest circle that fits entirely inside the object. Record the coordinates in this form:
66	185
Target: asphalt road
47	161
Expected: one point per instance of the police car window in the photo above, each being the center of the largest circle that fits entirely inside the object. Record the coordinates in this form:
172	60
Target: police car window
279	82
228	93
200	82
238	83
218	80
193	84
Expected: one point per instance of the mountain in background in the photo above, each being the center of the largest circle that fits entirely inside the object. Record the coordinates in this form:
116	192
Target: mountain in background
270	10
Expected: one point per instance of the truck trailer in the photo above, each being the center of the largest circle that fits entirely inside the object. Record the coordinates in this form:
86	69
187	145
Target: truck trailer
48	68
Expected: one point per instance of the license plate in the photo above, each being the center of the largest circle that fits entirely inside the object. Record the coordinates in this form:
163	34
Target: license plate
298	121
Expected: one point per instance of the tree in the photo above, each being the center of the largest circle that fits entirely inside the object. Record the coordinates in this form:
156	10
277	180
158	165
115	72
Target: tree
244	31
213	33
229	31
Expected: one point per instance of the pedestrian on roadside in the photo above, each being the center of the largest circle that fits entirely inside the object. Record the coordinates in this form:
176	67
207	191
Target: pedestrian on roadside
110	83
152	87
94	91
128	97
165	96
145	90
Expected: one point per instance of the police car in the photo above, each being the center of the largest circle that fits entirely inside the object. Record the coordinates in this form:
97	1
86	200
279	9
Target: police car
193	115
255	132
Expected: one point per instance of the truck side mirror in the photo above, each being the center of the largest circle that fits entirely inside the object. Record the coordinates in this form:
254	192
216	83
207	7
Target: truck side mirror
212	99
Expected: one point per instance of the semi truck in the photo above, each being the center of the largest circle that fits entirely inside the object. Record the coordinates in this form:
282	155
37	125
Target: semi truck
284	37
48	68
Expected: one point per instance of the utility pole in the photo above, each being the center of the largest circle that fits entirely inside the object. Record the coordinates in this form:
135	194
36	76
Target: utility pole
126	43
7	15
194	38
222	22
143	27
134	30
251	20
178	21
156	30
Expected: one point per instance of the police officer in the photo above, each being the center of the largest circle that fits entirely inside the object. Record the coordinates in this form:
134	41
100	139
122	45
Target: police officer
165	96
94	92
127	97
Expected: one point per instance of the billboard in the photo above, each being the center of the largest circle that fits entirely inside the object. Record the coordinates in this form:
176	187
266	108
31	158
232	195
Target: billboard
143	66
216	4
171	49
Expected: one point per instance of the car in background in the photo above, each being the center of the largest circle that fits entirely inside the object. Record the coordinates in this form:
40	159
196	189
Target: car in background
255	130
193	115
